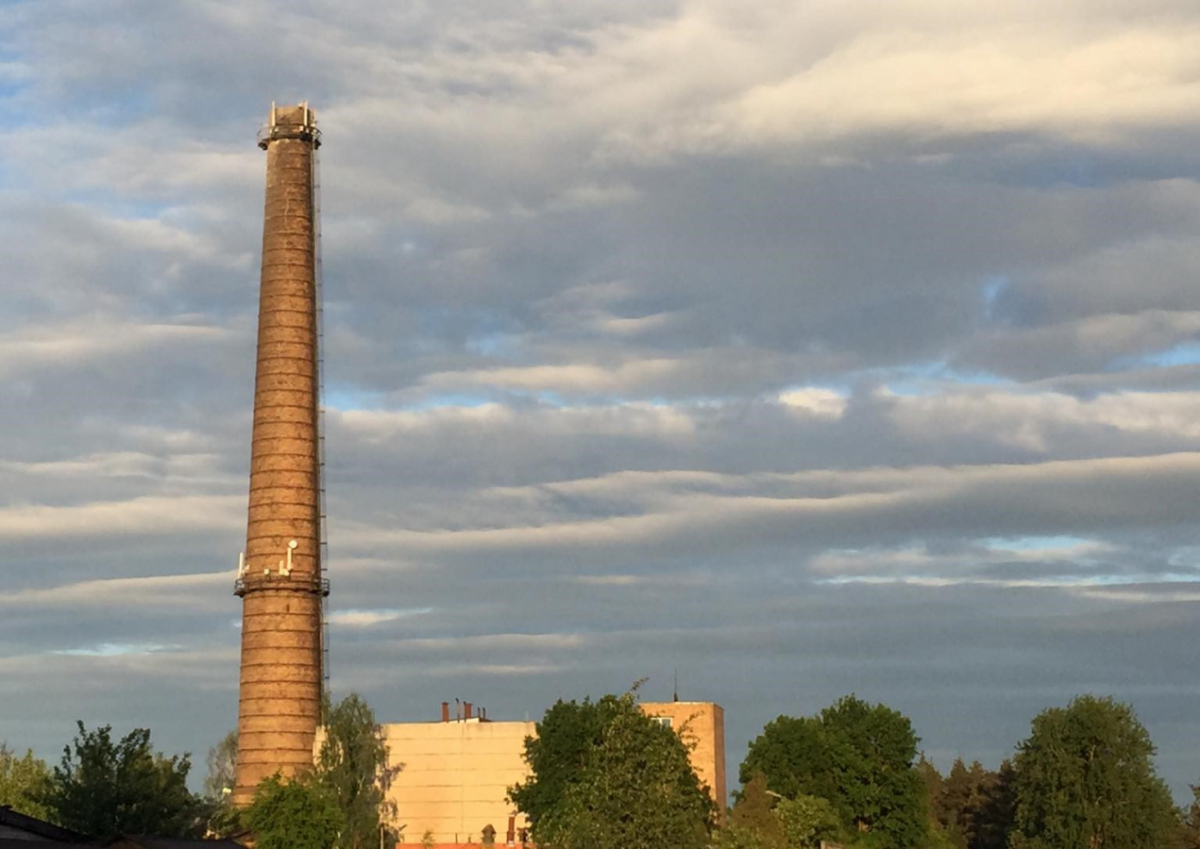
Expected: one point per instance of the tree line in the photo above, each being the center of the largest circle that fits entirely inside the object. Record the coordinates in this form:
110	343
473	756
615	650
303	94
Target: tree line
604	773
105	787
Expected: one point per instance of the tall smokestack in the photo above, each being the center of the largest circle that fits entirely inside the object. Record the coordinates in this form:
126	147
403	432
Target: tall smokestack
280	581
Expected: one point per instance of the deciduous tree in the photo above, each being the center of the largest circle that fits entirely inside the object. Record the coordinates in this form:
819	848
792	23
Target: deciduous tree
1187	832
354	771
222	818
104	788
24	782
222	767
754	813
634	788
808	821
857	756
1084	778
558	754
293	815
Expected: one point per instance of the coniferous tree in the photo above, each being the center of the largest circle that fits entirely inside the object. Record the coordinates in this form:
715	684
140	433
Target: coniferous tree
961	799
997	809
934	786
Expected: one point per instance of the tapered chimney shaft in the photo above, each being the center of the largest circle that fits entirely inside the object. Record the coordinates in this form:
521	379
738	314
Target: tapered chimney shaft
281	582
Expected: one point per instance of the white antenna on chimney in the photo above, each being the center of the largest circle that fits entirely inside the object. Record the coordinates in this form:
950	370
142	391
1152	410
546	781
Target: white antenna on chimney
287	570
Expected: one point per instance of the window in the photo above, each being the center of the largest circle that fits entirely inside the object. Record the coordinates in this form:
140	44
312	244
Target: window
664	721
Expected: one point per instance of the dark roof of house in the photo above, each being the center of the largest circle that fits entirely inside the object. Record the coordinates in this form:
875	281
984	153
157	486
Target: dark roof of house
41	843
40	828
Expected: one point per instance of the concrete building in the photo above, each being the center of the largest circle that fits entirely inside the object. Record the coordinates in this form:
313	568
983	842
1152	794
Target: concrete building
457	771
280	575
702	726
455	778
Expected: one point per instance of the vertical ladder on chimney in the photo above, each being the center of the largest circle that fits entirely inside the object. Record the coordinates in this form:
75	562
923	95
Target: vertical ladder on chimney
323	555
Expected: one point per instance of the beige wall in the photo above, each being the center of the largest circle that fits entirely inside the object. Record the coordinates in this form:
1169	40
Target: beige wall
456	774
703	727
455	777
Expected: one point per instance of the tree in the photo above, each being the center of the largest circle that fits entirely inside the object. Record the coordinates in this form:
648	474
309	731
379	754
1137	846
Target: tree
1187	832
791	753
997	809
857	756
222	767
222	818
754	814
934	786
635	788
293	815
557	755
104	788
738	837
24	782
957	804
353	770
808	821
1084	778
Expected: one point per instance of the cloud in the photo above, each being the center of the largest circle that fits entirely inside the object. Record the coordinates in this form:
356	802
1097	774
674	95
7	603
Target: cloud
181	591
370	618
814	401
72	346
140	516
851	344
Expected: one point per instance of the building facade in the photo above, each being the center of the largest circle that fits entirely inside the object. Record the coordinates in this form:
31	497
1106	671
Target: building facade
702	727
456	773
455	779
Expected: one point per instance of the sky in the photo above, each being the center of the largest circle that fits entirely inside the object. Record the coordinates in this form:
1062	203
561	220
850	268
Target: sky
800	348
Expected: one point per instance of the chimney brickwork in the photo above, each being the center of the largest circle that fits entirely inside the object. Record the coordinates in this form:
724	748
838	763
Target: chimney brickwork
281	582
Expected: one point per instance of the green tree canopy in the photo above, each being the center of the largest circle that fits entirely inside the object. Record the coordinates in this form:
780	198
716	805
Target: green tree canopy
222	767
354	771
857	756
808	821
754	813
993	819
557	756
105	788
972	808
1187	833
630	786
1085	778
791	753
222	818
293	815
24	782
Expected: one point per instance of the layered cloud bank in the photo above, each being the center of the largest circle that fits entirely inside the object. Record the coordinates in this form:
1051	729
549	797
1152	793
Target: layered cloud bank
805	349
